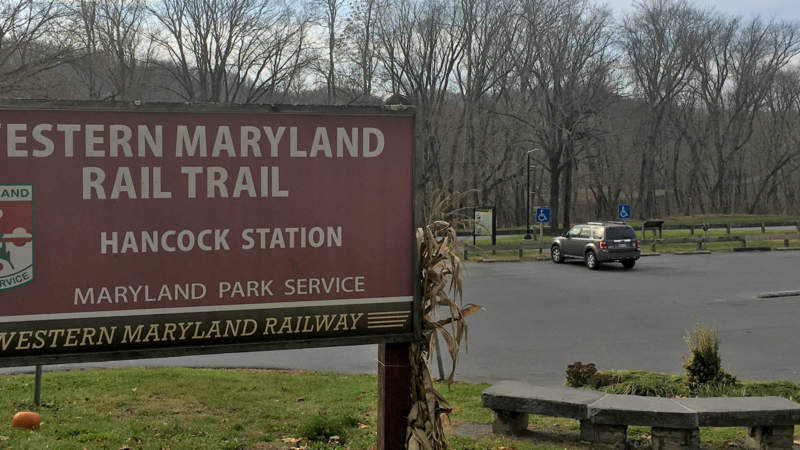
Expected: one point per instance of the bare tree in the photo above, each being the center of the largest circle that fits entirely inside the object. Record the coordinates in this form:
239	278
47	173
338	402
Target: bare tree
31	41
736	67
331	21
485	160
125	42
421	42
659	40
779	142
84	15
114	48
360	43
231	50
565	77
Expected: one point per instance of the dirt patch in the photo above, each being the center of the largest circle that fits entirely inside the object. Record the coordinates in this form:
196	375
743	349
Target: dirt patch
162	405
295	372
266	446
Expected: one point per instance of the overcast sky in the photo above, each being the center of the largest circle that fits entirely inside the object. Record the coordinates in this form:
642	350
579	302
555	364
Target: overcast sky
768	9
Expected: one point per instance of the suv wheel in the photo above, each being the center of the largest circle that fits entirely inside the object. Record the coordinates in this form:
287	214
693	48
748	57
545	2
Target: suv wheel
591	260
555	253
628	263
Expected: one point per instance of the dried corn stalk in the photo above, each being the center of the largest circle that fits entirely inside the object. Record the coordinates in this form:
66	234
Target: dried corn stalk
440	273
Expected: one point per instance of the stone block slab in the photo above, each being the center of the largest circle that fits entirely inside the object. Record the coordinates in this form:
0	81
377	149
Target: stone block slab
548	401
675	439
644	411
509	422
743	411
770	438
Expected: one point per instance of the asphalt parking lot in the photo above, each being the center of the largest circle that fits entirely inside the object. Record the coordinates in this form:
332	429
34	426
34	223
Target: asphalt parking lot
539	317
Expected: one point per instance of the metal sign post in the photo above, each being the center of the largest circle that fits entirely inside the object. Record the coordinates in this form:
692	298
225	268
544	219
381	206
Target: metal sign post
37	386
542	217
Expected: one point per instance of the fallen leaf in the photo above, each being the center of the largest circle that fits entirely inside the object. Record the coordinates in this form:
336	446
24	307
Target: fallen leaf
3	438
290	441
301	399
134	389
361	426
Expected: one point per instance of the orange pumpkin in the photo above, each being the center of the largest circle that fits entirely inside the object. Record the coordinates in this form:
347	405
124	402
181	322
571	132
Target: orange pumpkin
26	419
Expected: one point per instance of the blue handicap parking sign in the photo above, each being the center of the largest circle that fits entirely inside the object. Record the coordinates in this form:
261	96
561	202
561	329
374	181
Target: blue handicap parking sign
542	215
624	211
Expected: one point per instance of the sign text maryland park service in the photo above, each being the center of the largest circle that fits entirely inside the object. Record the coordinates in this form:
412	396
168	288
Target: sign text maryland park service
132	231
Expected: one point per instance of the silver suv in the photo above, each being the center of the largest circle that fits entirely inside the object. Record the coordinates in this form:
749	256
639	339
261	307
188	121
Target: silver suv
596	243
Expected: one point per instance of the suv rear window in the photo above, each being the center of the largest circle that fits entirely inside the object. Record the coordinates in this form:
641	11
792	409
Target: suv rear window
613	233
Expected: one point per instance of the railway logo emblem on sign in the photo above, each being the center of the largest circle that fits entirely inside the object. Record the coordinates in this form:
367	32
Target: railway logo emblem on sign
16	235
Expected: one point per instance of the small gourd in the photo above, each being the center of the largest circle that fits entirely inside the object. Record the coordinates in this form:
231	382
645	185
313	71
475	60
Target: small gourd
26	419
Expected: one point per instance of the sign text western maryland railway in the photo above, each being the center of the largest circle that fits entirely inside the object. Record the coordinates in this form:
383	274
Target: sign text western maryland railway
159	229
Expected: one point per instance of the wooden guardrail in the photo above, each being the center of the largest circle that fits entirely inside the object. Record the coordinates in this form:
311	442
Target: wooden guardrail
541	246
728	227
744	239
520	248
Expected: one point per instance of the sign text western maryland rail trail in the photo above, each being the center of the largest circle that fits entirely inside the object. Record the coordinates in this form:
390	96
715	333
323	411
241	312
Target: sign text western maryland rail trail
151	230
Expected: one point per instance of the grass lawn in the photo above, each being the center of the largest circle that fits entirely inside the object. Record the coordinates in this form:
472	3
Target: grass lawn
483	250
259	409
699	219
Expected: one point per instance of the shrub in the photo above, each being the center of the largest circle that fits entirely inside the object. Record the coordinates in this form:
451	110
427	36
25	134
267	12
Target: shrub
601	379
651	385
704	366
579	374
321	428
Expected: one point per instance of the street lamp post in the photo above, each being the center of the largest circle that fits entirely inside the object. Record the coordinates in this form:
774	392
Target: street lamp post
528	195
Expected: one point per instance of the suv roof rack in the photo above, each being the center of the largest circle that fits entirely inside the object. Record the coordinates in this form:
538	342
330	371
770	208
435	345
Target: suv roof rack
594	223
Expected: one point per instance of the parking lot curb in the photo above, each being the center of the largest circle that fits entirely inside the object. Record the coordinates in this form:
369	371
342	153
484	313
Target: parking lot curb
787	249
650	254
779	294
696	252
752	249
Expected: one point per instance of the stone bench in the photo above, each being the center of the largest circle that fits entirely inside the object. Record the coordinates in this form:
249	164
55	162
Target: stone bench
675	422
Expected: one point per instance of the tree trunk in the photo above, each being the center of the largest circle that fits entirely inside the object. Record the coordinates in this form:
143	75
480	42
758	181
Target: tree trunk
567	205
555	190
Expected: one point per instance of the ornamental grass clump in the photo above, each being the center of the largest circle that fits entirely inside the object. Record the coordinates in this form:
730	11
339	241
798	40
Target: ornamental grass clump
704	365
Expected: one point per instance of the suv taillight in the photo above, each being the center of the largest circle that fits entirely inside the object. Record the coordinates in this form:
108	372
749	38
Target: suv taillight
603	245
637	244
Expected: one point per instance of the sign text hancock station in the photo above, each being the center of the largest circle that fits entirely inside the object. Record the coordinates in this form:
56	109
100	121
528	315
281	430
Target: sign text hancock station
138	232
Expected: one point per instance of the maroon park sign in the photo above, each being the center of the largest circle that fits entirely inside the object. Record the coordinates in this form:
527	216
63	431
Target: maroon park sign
160	230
